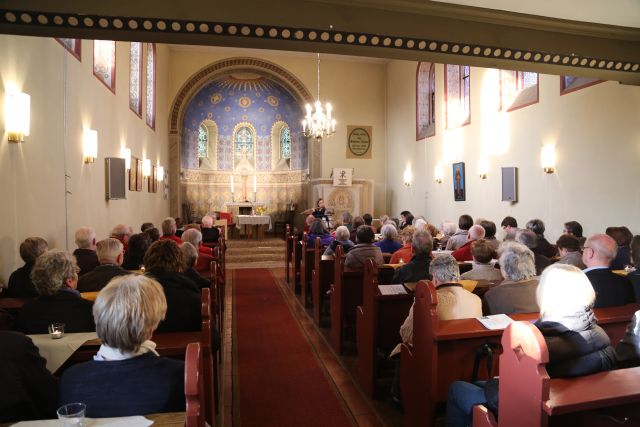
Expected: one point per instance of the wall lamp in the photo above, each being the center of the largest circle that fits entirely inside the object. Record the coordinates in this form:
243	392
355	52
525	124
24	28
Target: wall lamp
438	173
407	177
483	167
160	173
146	168
548	158
90	145
17	113
125	153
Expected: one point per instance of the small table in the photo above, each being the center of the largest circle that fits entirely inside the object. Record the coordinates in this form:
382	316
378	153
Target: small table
255	221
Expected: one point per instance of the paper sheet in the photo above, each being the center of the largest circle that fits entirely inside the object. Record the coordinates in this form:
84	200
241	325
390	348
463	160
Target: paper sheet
138	421
392	289
496	321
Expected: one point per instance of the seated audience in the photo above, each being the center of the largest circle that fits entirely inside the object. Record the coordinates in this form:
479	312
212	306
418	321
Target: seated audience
490	233
20	284
357	222
574	228
388	244
169	230
210	234
510	227
28	390
406	219
460	237
179	227
127	377
405	253
317	230
463	253
138	245
447	229
517	292
634	276
164	262
420	224
368	220
55	275
543	246
418	266
628	349
205	254
153	233
363	249
622	236
191	255
611	289
146	226
577	345
482	269
122	232
530	240
569	250
86	252
110	256
346	220
342	239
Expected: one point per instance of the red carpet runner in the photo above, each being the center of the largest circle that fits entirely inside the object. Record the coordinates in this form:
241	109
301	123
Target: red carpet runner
280	381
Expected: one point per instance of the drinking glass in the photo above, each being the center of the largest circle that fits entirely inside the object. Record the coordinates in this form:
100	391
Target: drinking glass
72	414
56	330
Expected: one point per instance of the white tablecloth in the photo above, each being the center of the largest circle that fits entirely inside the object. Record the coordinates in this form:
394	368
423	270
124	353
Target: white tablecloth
135	421
253	220
56	352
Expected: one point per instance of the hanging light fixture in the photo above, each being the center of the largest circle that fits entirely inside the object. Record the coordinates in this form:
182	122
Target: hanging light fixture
319	123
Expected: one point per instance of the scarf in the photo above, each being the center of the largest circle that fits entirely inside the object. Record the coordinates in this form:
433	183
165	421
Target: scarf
106	353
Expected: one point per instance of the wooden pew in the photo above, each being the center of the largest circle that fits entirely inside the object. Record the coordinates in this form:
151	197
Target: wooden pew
295	261
13	305
321	279
210	371
378	322
288	250
346	295
194	387
306	265
444	351
529	398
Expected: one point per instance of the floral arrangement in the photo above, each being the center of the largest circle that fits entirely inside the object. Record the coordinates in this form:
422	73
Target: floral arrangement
260	210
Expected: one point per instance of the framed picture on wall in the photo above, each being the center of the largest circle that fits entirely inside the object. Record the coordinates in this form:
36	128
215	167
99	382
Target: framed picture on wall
138	174
152	185
132	173
459	184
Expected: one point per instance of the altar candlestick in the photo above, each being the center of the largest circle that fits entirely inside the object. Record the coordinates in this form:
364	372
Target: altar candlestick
255	183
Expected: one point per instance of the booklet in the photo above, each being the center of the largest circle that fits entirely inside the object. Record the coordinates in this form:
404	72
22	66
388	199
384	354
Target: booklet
392	289
495	321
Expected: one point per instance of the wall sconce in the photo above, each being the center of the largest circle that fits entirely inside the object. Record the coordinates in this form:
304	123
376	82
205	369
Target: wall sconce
407	177
146	168
160	173
438	173
548	158
17	113
483	167
125	153
90	145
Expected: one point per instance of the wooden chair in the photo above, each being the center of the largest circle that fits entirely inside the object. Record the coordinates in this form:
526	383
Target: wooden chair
194	387
378	322
529	398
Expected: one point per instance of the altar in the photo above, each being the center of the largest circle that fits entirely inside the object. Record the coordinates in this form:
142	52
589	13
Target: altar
242	208
253	224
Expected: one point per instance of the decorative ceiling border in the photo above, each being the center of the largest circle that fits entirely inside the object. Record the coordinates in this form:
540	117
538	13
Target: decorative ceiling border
71	21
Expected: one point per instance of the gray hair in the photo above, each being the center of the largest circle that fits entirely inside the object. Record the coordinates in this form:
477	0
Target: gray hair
342	233
51	271
444	268
563	290
422	242
120	231
108	250
476	232
169	226
389	231
527	238
448	228
85	237
516	261
190	254
207	221
128	310
420	224
192	236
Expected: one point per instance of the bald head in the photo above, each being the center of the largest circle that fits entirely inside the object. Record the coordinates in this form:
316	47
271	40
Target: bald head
476	232
599	251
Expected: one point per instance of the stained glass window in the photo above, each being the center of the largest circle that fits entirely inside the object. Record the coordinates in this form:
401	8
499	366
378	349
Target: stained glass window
425	100
151	85
285	143
517	89
572	83
457	95
135	78
74	46
104	62
203	140
244	140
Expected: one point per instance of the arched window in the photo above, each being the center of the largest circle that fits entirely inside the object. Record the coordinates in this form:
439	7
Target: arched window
208	145
203	141
425	100
281	146
135	78
457	89
244	142
517	89
151	85
285	143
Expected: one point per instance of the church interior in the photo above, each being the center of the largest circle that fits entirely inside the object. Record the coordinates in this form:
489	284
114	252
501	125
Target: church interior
489	109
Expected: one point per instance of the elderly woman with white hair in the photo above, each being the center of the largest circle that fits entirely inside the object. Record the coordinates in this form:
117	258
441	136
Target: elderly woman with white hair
389	243
210	234
517	292
341	239
447	229
127	377
577	345
205	254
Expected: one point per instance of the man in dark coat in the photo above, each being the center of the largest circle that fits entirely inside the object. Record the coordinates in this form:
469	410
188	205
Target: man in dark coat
86	252
110	255
20	284
418	268
611	289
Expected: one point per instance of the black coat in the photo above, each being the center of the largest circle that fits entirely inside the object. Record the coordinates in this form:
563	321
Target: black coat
545	248
414	270
210	235
634	278
611	289
622	259
193	274
87	260
64	307
20	284
28	390
183	302
628	349
100	277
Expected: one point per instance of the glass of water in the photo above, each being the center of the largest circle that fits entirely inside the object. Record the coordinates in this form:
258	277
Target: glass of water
72	414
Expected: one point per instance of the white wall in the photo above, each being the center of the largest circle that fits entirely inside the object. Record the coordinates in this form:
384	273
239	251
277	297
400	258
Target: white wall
595	130
65	98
